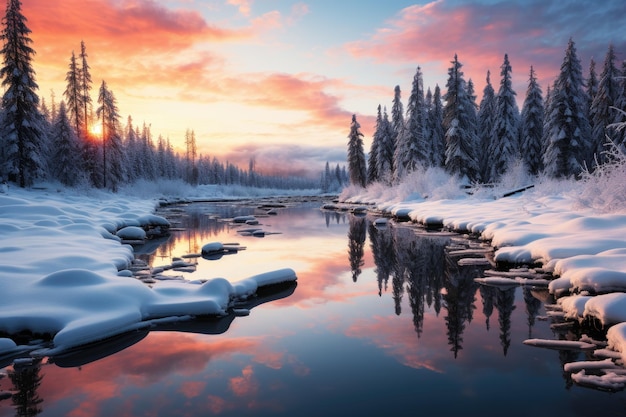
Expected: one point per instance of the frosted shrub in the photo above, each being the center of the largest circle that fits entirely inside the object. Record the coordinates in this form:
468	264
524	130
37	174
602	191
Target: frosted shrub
604	189
432	183
351	191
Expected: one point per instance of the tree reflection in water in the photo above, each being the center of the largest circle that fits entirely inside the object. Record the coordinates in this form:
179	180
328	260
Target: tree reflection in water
418	262
357	234
26	379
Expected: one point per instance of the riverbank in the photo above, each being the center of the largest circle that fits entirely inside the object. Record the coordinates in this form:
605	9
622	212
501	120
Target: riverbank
65	268
584	249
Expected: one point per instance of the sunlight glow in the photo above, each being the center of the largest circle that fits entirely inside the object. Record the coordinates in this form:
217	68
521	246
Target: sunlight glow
96	129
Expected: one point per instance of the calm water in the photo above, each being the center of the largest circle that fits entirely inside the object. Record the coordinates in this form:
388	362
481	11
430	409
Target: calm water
382	323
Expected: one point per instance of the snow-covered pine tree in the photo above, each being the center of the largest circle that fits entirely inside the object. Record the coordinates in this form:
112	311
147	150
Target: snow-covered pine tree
162	157
74	95
372	163
65	164
112	154
85	86
412	148
397	125
326	178
23	141
386	147
436	134
547	110
147	153
486	121
602	112
134	169
504	146
531	126
619	118
356	155
460	134
567	126
592	86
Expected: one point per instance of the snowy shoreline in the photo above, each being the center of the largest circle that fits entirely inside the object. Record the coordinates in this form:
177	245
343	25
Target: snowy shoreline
63	272
583	249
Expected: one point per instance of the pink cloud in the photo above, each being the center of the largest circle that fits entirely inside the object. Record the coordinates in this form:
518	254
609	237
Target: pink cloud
531	32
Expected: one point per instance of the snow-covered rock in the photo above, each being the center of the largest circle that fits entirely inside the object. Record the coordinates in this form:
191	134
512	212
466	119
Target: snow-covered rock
132	233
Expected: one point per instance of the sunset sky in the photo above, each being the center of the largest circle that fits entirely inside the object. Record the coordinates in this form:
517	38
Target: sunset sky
278	80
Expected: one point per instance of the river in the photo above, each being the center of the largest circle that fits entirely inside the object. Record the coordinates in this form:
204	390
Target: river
383	321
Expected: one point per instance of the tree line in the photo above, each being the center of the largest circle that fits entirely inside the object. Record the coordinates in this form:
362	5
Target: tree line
69	142
575	128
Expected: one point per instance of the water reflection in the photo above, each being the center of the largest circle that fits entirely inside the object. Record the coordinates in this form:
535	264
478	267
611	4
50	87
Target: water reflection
395	327
356	243
26	380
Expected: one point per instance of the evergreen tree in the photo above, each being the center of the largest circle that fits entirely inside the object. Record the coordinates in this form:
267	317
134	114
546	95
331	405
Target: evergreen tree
147	154
74	95
504	146
412	148
471	94
134	167
618	136
397	124
112	155
161	157
592	86
22	137
436	134
65	159
85	84
356	155
531	126
326	178
602	110
567	127
547	109
386	148
460	132
486	122
372	165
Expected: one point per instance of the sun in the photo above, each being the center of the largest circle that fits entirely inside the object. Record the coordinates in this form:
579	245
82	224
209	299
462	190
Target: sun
95	129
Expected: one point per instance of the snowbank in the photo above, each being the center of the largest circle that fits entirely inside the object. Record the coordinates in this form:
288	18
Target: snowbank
59	276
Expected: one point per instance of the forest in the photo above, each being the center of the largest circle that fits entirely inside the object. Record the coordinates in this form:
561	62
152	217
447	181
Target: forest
79	142
573	130
82	143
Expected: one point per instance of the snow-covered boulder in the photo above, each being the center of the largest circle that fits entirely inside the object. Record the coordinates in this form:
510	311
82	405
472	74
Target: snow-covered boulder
212	248
132	233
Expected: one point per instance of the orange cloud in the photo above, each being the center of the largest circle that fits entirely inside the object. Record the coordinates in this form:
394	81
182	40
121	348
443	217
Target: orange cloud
246	384
192	389
138	26
133	44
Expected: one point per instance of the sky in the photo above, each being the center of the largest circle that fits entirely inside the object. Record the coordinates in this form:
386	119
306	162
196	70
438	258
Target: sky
279	80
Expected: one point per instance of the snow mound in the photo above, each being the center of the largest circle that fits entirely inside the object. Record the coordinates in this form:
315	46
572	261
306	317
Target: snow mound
132	233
